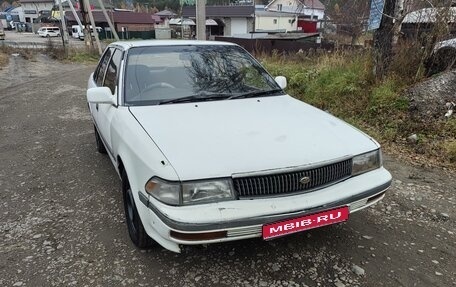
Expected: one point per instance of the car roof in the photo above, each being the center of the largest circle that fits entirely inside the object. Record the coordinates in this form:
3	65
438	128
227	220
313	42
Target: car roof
150	43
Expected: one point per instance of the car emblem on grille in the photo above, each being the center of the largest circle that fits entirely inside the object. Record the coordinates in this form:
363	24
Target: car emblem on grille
304	180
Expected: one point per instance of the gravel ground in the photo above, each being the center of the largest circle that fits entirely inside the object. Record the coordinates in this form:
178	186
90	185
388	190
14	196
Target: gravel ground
428	98
15	38
62	224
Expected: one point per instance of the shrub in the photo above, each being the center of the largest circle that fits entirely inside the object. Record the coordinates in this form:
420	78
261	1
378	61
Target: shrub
4	59
55	52
342	83
330	81
450	148
82	56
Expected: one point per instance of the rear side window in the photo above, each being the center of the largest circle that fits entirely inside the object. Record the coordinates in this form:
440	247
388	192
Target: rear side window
101	69
113	69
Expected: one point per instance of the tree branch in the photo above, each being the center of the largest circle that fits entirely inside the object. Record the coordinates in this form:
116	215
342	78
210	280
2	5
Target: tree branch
378	10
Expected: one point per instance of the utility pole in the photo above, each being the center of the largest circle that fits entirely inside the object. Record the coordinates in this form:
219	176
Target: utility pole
111	26
64	29
94	27
85	22
201	19
75	15
182	19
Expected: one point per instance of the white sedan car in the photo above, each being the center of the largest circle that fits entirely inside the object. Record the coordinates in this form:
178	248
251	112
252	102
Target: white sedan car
210	148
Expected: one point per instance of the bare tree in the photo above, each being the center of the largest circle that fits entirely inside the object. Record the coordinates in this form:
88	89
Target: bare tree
386	37
383	40
351	17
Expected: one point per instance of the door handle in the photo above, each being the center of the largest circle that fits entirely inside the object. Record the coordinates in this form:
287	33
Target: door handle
96	106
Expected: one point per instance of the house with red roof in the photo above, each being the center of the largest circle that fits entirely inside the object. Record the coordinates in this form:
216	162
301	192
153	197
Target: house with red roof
122	20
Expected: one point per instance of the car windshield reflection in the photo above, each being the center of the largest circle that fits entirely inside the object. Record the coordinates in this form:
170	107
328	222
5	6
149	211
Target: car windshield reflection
158	75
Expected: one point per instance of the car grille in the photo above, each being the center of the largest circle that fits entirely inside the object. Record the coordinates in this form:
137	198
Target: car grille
286	183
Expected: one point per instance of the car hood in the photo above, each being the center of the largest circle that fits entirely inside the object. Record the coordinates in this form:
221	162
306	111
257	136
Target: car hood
222	138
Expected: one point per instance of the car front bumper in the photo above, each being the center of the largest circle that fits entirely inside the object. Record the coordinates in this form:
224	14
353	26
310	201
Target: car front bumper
241	219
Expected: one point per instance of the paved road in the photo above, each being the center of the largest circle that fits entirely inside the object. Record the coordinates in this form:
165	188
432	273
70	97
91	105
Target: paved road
62	224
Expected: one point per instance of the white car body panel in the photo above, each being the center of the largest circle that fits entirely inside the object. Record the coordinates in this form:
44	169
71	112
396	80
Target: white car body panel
49	32
241	209
250	209
248	135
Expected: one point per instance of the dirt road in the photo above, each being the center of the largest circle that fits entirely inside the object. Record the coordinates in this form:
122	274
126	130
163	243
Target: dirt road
62	224
32	40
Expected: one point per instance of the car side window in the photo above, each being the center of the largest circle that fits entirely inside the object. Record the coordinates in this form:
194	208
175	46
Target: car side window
101	69
113	68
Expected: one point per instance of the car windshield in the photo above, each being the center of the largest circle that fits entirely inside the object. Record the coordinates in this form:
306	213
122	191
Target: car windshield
170	74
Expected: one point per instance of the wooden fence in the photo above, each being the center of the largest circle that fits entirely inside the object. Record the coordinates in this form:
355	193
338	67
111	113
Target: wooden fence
278	45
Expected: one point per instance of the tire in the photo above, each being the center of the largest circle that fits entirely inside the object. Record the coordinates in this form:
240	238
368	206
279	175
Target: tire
48	36
135	227
100	145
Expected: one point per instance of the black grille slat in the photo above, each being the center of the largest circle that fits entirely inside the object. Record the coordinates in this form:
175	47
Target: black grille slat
285	183
297	184
331	173
240	186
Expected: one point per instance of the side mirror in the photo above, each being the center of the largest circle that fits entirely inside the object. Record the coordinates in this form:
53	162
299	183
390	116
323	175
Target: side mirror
281	81
101	95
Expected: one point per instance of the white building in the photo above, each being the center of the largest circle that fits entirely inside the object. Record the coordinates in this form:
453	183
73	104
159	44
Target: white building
33	7
13	15
305	9
230	20
275	21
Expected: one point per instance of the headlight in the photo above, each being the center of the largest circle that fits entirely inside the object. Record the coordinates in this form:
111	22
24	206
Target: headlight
366	162
166	192
174	193
206	191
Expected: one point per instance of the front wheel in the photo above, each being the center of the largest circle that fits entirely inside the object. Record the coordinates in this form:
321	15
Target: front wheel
135	227
100	145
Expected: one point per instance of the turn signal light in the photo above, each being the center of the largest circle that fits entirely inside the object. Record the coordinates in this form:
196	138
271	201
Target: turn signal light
198	236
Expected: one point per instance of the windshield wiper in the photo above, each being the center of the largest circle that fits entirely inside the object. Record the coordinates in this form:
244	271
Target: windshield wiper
256	94
201	97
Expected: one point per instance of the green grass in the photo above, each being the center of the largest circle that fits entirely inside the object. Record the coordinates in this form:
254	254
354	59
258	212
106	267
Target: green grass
343	84
82	56
450	148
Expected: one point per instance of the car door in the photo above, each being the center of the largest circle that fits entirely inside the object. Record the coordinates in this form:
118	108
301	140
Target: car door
97	81
106	112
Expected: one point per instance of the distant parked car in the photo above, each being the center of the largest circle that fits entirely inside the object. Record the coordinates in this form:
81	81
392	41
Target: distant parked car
443	57
49	32
78	33
210	148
